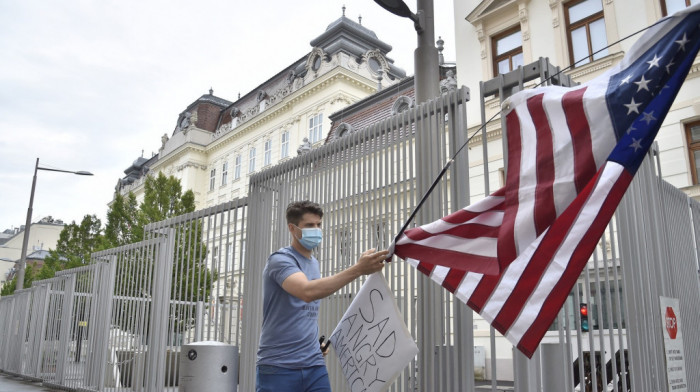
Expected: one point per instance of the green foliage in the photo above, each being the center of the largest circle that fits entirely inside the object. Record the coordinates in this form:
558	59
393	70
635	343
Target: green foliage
163	198
126	218
122	222
75	244
9	287
191	279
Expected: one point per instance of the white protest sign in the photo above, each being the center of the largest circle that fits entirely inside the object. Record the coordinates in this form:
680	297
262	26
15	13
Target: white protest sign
673	345
371	341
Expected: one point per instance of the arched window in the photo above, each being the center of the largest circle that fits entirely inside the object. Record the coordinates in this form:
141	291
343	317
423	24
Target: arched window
402	104
343	130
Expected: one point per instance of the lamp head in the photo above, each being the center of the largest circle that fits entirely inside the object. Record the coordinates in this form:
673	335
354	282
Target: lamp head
397	7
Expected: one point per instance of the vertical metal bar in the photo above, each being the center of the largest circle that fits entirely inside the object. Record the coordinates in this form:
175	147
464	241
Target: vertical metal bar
619	292
591	341
162	274
64	339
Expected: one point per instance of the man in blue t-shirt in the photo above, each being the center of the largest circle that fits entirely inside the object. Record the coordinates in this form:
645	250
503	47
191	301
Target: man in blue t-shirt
289	357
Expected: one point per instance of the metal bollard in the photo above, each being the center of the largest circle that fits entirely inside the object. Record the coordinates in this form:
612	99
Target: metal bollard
208	366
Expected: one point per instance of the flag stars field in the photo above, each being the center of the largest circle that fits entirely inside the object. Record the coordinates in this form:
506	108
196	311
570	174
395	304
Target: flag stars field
668	67
654	62
632	107
682	42
643	84
636	144
648	117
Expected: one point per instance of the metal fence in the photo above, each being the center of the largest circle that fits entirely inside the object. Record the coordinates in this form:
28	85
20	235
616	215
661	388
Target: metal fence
119	323
366	183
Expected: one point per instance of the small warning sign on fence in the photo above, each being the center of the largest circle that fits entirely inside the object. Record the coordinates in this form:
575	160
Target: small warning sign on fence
673	345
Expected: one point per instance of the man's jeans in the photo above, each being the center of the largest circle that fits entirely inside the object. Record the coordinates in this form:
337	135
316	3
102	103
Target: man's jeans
277	379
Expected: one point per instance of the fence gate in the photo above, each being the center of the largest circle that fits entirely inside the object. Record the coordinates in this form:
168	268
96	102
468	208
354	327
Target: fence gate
366	183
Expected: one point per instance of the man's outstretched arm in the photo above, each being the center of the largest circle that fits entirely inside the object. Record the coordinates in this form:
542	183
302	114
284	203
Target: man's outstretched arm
299	286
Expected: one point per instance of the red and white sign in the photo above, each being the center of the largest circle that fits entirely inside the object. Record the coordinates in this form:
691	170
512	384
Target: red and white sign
673	345
671	322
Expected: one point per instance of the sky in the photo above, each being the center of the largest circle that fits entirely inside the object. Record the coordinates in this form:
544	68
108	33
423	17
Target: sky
91	85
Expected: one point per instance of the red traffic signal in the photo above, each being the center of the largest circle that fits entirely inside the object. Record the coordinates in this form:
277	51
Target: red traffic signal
584	317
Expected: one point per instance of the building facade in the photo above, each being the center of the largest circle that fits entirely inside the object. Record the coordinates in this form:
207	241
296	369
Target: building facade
218	143
585	39
43	236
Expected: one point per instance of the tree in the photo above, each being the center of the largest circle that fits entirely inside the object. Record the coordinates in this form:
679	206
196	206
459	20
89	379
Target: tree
163	199
10	286
122	222
77	242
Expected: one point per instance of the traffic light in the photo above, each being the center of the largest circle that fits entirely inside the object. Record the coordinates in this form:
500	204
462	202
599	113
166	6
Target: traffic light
584	317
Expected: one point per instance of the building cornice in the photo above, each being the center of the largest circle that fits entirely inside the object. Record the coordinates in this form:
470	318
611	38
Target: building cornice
493	132
177	154
605	63
339	74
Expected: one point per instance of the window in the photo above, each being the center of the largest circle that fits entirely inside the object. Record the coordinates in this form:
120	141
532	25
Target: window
692	132
268	153
212	180
401	104
585	28
229	257
507	51
374	64
315	128
316	63
215	256
343	129
237	169
669	7
284	150
224	173
251	160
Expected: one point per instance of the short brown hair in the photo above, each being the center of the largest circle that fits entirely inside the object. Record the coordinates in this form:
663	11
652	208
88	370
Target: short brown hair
297	209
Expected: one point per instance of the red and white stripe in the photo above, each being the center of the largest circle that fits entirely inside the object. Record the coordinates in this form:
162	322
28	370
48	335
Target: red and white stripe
464	240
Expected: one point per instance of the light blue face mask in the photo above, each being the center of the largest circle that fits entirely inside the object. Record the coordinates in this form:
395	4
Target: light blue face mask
310	237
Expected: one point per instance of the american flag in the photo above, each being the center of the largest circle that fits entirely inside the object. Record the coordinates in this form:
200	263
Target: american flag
514	256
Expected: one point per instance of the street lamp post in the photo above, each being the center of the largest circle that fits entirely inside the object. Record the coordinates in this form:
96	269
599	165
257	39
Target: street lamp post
25	241
427	87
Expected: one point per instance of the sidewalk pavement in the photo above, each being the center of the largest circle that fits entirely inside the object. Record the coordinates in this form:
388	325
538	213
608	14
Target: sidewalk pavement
10	383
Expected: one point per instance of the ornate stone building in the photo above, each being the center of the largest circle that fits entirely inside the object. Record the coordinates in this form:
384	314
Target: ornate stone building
217	143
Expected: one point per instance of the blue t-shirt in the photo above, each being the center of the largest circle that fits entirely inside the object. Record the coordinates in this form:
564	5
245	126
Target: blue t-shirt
289	335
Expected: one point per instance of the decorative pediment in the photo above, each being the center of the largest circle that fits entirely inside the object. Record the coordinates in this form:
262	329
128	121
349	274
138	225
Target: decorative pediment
485	8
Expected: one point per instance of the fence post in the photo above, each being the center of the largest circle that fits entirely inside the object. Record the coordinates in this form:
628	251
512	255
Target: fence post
158	325
99	323
65	332
40	300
